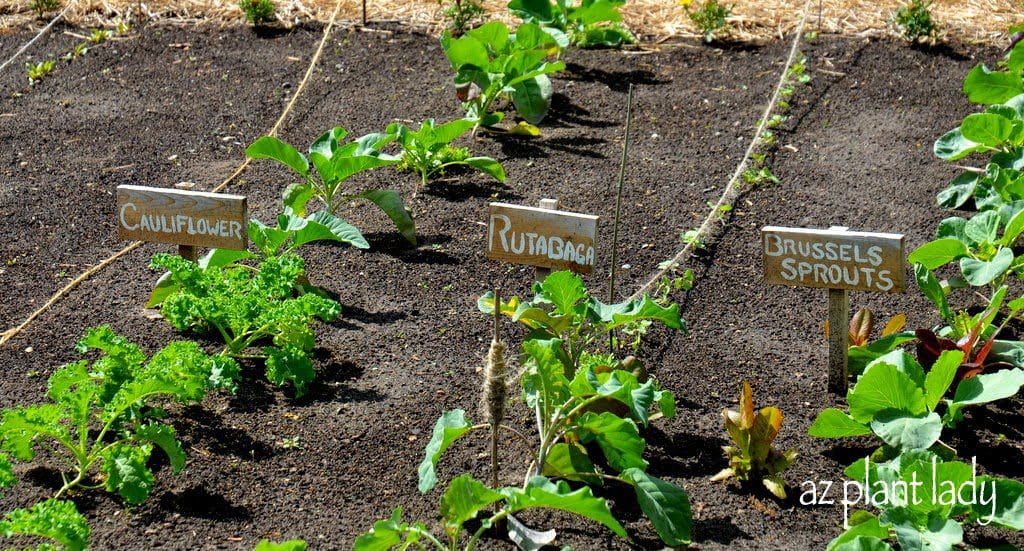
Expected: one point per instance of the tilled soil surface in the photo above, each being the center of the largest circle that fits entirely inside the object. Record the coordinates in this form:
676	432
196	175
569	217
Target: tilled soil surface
167	105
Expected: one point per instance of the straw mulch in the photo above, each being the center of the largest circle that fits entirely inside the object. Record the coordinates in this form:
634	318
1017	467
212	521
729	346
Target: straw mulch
653	20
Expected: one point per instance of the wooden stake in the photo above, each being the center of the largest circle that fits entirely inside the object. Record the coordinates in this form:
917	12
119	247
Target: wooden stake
838	320
188	252
364	13
540	273
494	426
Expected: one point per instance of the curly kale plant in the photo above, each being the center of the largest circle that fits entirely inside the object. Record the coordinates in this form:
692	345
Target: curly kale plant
248	307
102	416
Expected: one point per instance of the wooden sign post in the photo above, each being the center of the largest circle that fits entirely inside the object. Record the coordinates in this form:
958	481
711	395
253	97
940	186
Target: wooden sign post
840	261
540	237
188	219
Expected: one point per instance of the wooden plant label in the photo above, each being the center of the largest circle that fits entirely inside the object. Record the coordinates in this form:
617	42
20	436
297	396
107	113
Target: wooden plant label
833	259
191	218
545	238
839	260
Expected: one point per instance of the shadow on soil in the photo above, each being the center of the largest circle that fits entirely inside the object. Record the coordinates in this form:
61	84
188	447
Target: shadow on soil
517	146
330	384
395	246
208	430
618	81
199	503
719	530
458	189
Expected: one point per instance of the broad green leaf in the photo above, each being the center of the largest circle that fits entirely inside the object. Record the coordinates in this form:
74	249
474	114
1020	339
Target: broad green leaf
833	423
537	318
56	520
544	382
862	543
858	357
570	462
867	530
953	226
464	499
493	34
618	438
223	257
1005	508
1013	230
979	273
937	253
906	432
959	191
988	387
936	480
165	287
599	11
987	129
564	290
544	494
327	143
166	439
127	473
939	534
387	534
1011	352
990	87
466	50
325	167
268	240
539	11
269	147
452	130
488	166
983	228
881	387
940	376
667	505
953	146
324	226
532	98
296	197
391	203
616	315
905	363
449	427
346	166
932	289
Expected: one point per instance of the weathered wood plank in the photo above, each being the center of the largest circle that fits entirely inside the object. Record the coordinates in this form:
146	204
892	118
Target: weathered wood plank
192	218
833	259
553	239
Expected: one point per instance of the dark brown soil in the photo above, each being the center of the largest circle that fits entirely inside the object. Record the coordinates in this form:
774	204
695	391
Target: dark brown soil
168	105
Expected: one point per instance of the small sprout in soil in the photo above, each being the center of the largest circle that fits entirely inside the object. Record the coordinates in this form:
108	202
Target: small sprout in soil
36	71
759	176
293	443
752	456
720	211
123	26
914	20
810	36
98	36
692	237
77	51
258	12
768	138
776	120
290	545
41	7
709	18
461	15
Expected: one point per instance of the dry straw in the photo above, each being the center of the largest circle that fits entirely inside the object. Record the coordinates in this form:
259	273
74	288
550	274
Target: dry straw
653	20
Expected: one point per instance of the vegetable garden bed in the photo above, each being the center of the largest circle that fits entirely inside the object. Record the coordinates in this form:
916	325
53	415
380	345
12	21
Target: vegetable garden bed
168	105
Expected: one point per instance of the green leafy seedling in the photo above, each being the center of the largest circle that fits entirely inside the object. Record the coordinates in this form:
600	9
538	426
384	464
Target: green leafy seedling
461	15
329	164
592	23
37	71
428	150
258	12
914	20
54	520
710	18
752	455
102	417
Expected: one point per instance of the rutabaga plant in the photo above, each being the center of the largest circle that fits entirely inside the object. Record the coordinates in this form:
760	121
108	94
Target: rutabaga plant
601	407
922	505
562	308
466	499
984	253
103	415
329	164
492	63
897	401
249	307
589	24
428	151
752	456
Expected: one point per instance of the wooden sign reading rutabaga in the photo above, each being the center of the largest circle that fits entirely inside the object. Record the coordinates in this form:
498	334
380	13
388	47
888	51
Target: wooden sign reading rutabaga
553	239
192	218
834	259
